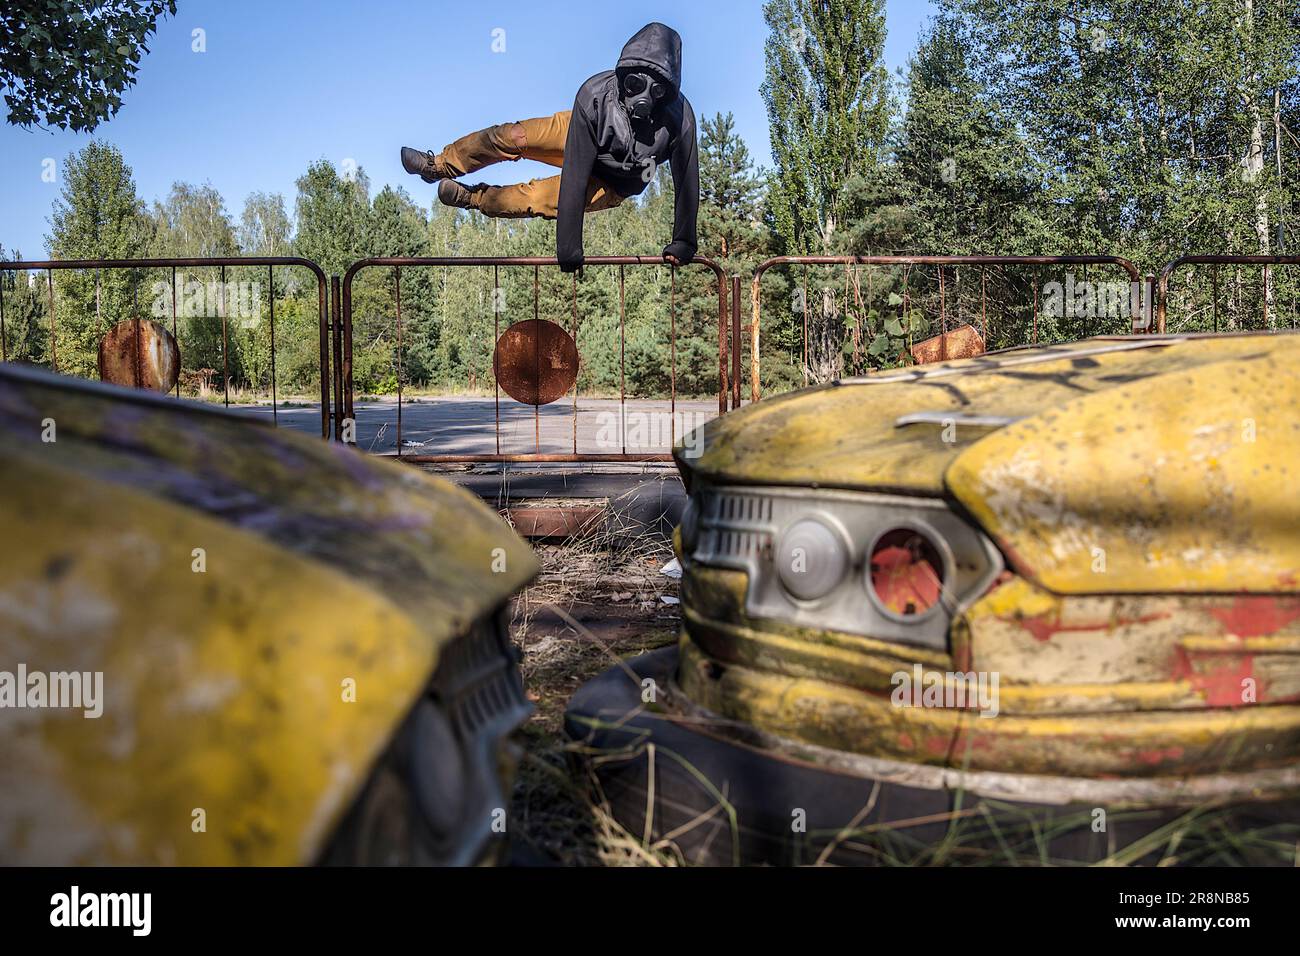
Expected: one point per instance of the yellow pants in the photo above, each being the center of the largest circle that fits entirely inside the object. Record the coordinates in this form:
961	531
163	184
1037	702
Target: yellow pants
540	139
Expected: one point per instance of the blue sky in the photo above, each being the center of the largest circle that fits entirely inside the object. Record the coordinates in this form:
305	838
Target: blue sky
285	82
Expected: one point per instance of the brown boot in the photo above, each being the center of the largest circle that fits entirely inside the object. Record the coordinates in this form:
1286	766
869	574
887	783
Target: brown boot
453	193
425	164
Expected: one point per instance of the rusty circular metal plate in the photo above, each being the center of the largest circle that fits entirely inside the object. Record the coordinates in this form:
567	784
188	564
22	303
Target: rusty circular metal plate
535	362
140	353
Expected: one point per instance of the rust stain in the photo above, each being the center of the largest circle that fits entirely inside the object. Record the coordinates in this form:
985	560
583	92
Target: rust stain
139	353
960	343
535	362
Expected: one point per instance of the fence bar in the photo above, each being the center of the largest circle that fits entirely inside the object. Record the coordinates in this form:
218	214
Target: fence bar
1034	338
270	298
397	292
4	338
344	386
54	352
672	357
984	323
336	326
547	458
573	284
735	344
225	338
622	386
1265	281
1214	291
497	305
176	332
1162	292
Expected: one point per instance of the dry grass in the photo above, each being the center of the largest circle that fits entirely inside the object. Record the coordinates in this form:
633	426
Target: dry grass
596	603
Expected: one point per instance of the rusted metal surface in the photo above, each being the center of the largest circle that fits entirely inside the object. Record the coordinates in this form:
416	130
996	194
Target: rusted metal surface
140	353
959	343
1139	323
535	362
533	386
555	521
543	458
197	262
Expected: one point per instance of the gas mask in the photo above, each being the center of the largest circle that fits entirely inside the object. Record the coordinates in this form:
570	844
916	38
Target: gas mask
641	91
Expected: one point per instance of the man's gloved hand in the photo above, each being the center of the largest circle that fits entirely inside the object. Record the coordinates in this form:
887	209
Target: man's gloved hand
678	253
571	265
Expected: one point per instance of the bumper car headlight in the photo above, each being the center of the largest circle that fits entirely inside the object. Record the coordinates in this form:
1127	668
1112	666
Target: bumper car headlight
812	559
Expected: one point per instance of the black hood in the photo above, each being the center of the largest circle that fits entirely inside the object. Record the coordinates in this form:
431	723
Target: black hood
656	47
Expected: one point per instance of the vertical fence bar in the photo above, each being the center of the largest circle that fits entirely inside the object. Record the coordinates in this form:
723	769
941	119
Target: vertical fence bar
323	320
857	318
397	294
137	354
497	305
225	338
1266	295
672	355
1214	293
622	353
4	338
336	328
735	350
349	398
984	324
805	325
1034	339
537	362
54	353
579	372
177	337
723	363
270	294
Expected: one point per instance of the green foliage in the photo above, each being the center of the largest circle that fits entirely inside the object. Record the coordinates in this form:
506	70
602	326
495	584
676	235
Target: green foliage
23	308
98	216
65	63
827	96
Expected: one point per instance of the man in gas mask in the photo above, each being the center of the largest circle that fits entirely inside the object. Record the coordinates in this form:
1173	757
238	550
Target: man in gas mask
624	123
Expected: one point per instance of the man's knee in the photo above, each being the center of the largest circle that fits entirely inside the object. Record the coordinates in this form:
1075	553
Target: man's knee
509	138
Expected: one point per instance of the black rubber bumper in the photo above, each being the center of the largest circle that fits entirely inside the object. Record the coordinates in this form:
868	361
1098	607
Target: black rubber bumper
717	801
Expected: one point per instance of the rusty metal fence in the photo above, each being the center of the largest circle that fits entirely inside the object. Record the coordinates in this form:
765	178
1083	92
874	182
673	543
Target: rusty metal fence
1137	315
533	384
1149	304
136	334
1243	299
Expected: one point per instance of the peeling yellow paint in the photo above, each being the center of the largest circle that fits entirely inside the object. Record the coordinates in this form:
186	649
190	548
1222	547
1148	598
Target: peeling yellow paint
224	688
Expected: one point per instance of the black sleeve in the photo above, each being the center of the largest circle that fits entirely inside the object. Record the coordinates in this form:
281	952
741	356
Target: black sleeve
579	159
686	189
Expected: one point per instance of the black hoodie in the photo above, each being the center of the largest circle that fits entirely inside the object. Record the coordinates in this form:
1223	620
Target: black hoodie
604	143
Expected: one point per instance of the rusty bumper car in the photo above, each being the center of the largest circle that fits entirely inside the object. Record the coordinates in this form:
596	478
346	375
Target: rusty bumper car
1044	602
223	644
